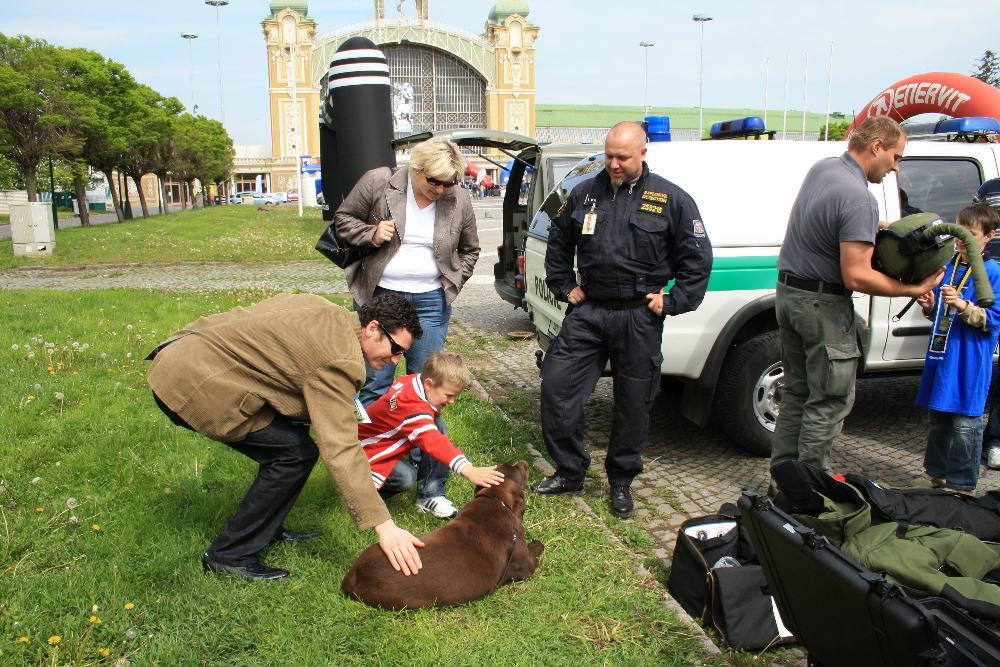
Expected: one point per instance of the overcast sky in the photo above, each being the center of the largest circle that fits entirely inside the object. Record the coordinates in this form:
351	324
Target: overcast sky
587	51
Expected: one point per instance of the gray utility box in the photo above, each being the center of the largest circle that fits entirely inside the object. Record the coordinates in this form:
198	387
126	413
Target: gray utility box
31	229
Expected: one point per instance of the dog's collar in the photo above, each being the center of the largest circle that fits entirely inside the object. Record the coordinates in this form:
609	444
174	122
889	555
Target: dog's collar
513	547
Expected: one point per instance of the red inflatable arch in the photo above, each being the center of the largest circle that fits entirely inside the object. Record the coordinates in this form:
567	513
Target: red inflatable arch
947	93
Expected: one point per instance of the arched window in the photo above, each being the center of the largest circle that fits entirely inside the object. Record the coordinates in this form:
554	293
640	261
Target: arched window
433	90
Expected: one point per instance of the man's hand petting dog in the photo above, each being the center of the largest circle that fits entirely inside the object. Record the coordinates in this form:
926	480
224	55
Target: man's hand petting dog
398	545
483	476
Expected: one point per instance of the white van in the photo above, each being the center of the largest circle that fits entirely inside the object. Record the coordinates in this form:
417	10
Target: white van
727	354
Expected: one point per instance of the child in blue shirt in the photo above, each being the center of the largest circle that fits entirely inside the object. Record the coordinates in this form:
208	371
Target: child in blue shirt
959	362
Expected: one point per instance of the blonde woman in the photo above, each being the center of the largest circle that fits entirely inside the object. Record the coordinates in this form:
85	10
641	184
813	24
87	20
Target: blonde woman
425	231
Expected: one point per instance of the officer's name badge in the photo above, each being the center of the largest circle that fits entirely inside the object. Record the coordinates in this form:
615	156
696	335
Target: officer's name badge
650	208
699	229
589	223
658	197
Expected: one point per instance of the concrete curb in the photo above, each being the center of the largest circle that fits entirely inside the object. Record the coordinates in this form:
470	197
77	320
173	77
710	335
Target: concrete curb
698	634
93	267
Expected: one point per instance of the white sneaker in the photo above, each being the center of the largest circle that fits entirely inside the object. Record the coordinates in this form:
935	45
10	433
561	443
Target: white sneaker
993	458
439	506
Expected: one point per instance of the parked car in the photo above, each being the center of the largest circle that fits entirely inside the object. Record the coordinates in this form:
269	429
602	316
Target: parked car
280	196
258	198
727	354
293	195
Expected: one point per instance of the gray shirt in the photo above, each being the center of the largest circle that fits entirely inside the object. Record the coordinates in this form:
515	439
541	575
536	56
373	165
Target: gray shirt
834	205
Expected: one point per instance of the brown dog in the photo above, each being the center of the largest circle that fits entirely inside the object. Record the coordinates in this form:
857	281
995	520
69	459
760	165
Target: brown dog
480	550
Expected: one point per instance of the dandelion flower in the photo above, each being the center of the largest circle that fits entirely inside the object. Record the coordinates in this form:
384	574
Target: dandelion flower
39	509
74	372
71	503
95	620
60	396
96	527
129	605
54	639
105	652
37	479
31	398
23	639
15	346
114	306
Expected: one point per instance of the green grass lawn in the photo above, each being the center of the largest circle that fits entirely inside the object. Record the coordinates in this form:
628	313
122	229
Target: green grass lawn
234	233
106	508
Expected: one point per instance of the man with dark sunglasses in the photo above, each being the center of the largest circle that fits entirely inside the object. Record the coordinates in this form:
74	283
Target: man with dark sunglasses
255	378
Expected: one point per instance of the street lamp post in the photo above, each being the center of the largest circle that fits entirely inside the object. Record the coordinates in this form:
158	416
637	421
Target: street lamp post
702	19
218	32
190	37
645	96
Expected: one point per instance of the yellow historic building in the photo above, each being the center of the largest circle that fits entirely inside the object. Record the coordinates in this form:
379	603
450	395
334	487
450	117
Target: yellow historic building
443	77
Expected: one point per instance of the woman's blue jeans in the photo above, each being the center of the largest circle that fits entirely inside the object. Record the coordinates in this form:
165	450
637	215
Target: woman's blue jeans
954	446
434	317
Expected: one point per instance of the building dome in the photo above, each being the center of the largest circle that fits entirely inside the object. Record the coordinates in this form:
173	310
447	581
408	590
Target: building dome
301	7
505	8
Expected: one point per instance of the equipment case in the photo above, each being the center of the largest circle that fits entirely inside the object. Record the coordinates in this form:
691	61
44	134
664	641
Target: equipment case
848	616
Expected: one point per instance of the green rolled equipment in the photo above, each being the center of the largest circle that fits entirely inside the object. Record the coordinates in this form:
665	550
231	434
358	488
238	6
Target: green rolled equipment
916	246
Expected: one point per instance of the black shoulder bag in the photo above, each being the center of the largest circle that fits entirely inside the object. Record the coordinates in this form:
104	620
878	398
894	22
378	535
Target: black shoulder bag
339	251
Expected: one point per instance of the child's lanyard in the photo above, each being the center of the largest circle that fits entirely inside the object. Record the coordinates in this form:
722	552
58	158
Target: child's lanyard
946	314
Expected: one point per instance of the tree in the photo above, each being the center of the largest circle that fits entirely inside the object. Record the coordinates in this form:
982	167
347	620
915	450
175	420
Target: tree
836	131
988	69
31	86
202	150
11	175
151	126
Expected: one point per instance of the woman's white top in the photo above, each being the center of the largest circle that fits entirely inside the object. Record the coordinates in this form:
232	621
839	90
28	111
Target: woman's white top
414	268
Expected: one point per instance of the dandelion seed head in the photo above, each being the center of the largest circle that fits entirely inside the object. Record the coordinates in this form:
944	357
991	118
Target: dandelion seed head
76	344
129	327
31	355
104	355
38	386
36	480
85	346
73	519
71	503
15	346
128	356
50	351
131	633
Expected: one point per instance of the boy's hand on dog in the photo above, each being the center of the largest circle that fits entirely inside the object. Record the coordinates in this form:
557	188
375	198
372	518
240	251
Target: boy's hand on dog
398	545
483	476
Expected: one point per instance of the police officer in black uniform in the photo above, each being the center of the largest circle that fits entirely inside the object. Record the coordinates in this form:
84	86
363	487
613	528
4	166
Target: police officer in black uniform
632	232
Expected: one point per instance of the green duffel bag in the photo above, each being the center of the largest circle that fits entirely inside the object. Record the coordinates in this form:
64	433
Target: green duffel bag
916	246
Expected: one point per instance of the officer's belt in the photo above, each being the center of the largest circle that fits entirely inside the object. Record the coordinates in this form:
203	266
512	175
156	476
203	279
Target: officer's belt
612	304
813	285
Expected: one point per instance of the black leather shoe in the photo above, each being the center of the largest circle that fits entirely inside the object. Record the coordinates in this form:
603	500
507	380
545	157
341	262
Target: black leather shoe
620	504
288	536
558	486
252	571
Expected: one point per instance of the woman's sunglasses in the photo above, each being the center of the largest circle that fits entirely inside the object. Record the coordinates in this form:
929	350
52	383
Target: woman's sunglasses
433	182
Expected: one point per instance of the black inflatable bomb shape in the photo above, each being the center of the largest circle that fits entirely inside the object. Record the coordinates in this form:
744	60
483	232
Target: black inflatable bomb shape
357	119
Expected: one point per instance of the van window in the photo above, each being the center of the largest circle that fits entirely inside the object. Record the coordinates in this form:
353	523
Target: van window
584	171
944	187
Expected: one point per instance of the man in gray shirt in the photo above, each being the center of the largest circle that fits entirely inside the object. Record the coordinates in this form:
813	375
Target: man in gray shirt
826	255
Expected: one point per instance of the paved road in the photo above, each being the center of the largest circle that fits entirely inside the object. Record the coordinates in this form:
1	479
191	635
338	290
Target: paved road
95	219
689	470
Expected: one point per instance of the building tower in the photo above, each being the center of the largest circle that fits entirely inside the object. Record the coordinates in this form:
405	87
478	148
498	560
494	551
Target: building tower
289	32
510	102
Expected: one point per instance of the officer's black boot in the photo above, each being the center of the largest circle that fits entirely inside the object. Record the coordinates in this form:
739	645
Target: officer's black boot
621	502
558	485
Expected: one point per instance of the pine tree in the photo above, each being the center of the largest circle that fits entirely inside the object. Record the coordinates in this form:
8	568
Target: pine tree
988	69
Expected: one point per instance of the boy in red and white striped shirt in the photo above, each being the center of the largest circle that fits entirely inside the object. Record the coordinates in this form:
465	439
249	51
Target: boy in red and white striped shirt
404	419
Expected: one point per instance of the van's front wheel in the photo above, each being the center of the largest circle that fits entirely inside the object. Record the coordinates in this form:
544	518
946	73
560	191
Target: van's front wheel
746	396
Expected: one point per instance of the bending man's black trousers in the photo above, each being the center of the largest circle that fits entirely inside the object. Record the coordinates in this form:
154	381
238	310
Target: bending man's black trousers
592	335
286	454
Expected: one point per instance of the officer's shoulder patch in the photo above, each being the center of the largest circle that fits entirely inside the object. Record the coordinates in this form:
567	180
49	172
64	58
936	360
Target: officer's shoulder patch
658	197
699	229
646	207
562	207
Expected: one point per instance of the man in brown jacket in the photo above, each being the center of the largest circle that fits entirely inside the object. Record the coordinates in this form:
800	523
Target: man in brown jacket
250	377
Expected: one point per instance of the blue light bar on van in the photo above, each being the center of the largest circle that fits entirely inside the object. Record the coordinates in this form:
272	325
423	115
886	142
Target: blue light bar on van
973	125
741	127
